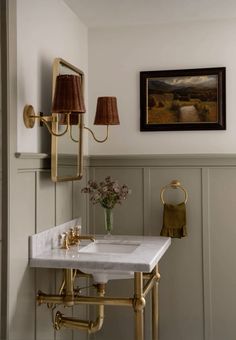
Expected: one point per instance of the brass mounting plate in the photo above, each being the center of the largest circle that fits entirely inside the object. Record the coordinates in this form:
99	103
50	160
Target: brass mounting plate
28	116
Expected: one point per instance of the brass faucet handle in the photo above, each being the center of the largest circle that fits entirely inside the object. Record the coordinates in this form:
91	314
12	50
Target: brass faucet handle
65	241
74	237
77	231
71	236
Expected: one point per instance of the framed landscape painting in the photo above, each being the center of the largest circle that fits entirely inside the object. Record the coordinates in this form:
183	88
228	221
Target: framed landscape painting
192	99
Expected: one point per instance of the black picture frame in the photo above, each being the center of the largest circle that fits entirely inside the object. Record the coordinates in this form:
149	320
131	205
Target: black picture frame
178	100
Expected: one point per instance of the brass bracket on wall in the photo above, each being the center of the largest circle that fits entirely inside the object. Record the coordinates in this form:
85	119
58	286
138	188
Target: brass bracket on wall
30	117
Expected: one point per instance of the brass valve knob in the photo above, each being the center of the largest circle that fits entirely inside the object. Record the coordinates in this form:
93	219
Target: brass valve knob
65	241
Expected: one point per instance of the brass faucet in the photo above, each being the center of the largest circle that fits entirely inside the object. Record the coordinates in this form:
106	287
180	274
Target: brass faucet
73	237
63	238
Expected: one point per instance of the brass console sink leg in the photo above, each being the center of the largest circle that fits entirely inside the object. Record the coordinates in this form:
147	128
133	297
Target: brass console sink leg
68	298
155	307
139	304
69	288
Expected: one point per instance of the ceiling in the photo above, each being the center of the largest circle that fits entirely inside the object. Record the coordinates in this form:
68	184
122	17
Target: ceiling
105	13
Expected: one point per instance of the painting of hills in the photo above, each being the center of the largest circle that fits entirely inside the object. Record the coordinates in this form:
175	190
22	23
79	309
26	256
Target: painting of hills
182	99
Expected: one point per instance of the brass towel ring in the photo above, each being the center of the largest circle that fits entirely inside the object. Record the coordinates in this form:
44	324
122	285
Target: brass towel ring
175	184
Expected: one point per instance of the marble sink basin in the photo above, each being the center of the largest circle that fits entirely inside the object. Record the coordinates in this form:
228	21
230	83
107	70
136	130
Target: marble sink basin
116	257
110	247
113	248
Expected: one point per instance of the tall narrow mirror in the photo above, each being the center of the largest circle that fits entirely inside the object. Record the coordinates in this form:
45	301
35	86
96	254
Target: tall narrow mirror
66	152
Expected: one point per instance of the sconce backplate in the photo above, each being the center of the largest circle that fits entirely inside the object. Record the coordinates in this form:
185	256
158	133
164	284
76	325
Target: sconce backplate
28	116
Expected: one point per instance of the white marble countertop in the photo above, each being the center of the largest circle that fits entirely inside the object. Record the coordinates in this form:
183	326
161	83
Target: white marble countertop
143	258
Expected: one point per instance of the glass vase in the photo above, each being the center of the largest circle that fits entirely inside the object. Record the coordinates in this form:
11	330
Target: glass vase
108	214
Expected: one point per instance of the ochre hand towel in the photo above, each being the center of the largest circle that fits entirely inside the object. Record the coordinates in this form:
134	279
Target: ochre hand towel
174	220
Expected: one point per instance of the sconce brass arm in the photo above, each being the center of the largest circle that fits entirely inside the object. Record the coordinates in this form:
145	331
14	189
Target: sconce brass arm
50	130
30	117
96	139
71	137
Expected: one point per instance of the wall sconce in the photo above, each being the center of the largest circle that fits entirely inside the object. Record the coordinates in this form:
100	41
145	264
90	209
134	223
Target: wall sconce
68	110
67	98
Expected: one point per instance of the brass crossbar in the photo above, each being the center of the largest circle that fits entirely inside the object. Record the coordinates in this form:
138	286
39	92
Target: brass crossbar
68	296
84	300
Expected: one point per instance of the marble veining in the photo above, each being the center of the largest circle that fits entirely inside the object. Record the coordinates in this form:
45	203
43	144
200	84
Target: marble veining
49	239
147	253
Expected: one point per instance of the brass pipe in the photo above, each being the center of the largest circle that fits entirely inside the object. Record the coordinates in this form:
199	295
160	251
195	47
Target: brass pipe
67	322
97	325
150	283
147	276
155	311
62	287
69	297
90	326
139	304
111	301
69	288
90	300
51	299
63	321
155	316
74	274
64	282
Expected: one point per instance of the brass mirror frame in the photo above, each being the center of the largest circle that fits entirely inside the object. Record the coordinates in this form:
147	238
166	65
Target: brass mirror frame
58	62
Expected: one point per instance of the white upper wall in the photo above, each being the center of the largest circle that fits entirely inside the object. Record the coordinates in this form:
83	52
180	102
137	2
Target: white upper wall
46	29
110	13
117	55
49	28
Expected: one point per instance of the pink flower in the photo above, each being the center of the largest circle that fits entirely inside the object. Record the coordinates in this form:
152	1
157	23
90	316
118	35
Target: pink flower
108	192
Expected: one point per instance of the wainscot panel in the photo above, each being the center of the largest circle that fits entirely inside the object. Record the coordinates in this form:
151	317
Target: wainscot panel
222	189
22	278
126	222
40	204
197	286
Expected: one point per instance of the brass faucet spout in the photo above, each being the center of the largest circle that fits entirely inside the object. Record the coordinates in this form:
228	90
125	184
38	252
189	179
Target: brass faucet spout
86	237
73	237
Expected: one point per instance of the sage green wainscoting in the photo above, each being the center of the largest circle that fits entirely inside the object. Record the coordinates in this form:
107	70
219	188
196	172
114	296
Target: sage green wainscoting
38	205
198	276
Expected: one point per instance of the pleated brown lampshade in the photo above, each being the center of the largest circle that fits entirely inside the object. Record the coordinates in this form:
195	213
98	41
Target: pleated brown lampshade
68	96
107	112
